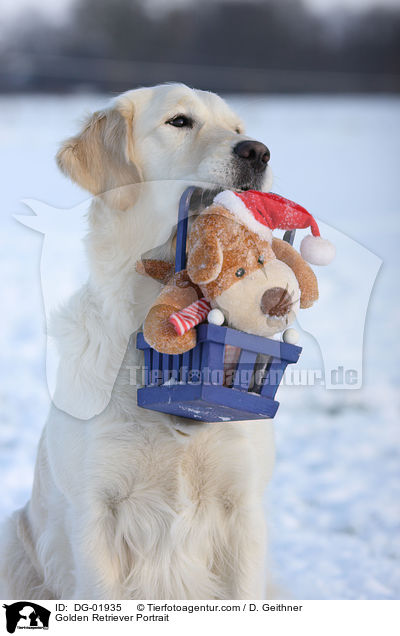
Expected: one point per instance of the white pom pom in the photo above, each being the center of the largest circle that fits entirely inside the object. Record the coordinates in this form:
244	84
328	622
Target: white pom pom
317	250
216	317
291	336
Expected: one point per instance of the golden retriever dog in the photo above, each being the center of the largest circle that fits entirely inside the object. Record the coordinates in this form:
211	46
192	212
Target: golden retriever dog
129	503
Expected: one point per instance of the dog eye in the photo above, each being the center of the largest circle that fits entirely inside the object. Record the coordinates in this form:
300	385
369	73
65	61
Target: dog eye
237	131
240	272
181	121
260	260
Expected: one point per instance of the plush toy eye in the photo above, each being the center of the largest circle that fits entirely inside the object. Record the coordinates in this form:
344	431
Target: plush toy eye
180	121
240	272
260	260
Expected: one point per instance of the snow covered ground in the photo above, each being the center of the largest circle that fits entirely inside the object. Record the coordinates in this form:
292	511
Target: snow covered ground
333	504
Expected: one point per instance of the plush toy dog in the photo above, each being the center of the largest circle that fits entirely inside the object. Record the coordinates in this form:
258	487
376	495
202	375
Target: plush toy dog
259	282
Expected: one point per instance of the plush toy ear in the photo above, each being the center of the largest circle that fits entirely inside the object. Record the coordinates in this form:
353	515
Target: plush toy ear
205	256
305	276
100	158
205	261
157	269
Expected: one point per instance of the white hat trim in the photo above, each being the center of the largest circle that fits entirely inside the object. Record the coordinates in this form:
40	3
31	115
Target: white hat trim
234	204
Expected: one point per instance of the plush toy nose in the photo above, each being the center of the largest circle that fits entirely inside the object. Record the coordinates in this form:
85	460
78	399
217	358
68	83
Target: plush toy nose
253	151
276	302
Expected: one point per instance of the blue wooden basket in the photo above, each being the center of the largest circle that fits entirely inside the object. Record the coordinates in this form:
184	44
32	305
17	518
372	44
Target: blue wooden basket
199	384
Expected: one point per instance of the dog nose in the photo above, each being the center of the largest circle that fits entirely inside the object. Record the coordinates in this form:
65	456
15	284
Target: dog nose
276	302
253	151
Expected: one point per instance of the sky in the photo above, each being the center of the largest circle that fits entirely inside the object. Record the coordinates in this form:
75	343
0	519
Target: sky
11	8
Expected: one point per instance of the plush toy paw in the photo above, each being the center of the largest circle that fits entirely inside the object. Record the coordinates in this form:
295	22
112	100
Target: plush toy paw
161	335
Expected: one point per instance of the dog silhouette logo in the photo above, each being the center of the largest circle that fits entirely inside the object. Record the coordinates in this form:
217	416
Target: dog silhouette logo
26	615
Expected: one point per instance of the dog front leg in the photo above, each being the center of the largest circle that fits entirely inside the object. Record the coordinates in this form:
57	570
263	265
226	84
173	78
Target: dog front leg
97	564
247	551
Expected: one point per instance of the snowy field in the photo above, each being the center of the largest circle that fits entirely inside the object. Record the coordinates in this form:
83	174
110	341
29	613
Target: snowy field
333	504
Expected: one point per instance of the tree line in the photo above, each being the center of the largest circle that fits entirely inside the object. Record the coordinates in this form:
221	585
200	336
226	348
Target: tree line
253	45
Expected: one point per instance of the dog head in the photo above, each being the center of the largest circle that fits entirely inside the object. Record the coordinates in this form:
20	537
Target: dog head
168	132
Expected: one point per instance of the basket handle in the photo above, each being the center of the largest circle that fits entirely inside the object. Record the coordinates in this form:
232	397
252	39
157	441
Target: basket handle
181	234
289	236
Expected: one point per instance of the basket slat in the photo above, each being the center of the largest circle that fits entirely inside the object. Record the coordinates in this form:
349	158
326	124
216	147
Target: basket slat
155	367
176	366
274	375
212	362
244	371
186	359
147	366
166	364
196	358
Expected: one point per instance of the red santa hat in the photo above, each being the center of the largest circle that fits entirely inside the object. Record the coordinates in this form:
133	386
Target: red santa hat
263	212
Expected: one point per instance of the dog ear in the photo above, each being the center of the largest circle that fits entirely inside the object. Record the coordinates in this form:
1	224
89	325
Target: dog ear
306	278
101	159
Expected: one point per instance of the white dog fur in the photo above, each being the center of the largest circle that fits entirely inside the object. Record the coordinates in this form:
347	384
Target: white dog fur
129	503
